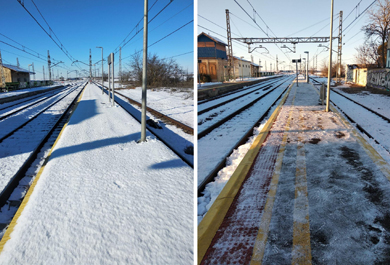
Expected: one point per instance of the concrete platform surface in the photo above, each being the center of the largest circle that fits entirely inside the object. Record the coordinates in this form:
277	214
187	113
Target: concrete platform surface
316	193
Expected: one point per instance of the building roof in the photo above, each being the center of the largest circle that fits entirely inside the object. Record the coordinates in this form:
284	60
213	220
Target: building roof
254	64
238	58
17	69
213	38
355	66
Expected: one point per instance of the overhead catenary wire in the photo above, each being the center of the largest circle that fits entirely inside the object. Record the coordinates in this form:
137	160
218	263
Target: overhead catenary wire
359	15
239	43
288	57
166	36
62	48
139	30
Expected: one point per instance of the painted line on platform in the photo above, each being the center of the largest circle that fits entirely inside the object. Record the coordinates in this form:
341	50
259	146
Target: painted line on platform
378	160
210	224
10	229
301	252
262	235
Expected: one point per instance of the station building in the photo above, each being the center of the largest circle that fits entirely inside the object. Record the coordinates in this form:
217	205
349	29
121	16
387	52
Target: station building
15	74
212	58
242	67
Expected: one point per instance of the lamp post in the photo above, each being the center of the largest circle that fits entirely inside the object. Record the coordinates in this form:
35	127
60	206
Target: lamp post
307	67
102	66
242	69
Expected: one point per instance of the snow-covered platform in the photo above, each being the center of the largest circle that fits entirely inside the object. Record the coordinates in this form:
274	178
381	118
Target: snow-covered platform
26	92
102	198
310	191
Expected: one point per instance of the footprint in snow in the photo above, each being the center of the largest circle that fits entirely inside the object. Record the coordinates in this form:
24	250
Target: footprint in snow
118	184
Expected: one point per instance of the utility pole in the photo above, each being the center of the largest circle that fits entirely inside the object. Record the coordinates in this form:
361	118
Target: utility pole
48	64
340	46
230	47
330	57
90	65
144	73
102	70
277	66
2	72
33	70
120	64
43	69
17	62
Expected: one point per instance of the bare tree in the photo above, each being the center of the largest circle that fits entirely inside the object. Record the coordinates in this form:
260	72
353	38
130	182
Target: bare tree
379	25
160	72
367	53
335	67
371	53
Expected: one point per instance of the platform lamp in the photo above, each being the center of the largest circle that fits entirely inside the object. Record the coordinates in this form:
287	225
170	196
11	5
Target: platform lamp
307	67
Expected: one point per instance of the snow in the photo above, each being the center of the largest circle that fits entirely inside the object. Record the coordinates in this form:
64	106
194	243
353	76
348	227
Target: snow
16	149
177	103
213	147
23	91
105	199
348	196
205	85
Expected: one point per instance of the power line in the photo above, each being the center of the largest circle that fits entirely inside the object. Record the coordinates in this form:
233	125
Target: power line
24	47
288	57
360	15
308	27
177	55
137	25
22	50
240	43
352	10
166	36
62	48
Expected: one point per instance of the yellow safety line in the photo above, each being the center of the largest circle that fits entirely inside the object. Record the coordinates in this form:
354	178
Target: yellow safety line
12	225
262	235
383	166
210	224
301	253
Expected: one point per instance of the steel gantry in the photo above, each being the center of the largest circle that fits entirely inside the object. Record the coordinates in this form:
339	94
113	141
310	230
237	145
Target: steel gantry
292	40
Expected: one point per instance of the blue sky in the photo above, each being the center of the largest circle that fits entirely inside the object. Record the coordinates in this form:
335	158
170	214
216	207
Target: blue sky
299	18
83	25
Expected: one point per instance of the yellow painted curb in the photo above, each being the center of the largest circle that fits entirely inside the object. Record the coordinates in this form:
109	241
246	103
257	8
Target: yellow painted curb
262	234
210	224
383	166
10	229
301	253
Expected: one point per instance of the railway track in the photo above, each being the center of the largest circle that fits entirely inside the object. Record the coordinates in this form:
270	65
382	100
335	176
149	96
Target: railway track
239	90
164	134
158	114
13	104
353	121
252	89
251	102
21	148
20	118
243	139
13	109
